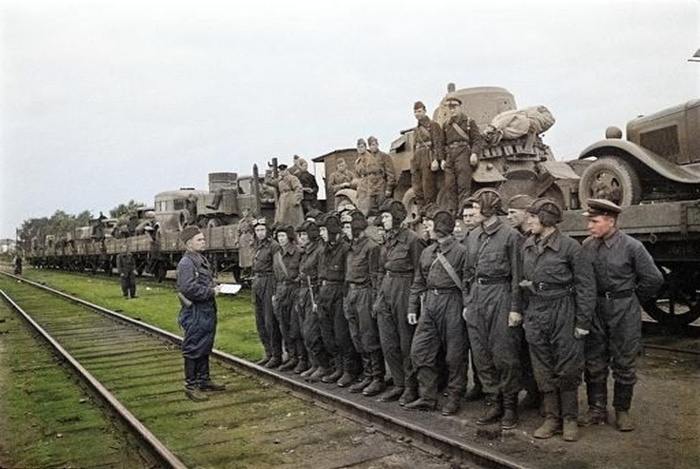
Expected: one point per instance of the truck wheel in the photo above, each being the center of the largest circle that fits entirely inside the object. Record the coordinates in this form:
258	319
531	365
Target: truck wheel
612	178
678	302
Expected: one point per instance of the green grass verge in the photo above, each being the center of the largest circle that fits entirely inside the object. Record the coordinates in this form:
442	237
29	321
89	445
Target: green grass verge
157	304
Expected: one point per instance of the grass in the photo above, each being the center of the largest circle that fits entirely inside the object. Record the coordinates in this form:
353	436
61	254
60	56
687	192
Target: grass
157	304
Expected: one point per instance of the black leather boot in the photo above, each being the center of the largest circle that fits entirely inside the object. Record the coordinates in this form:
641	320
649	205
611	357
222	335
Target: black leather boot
494	411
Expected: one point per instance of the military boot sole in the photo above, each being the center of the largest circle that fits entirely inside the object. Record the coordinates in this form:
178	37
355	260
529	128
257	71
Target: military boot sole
196	395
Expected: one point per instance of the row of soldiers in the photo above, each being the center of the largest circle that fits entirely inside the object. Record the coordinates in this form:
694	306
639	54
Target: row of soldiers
345	307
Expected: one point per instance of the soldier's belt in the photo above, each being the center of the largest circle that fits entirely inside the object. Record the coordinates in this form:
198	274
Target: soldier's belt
492	280
331	282
444	291
407	274
545	286
359	285
458	144
614	295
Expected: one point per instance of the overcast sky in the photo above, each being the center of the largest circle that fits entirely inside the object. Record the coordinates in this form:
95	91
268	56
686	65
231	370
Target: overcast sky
107	101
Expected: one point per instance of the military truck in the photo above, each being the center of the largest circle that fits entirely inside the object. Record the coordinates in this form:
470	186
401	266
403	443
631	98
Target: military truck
655	173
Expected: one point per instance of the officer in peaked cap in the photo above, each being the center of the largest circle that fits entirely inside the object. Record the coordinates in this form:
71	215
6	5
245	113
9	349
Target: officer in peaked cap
602	207
625	276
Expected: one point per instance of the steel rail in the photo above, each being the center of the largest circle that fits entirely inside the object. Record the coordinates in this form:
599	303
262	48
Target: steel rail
159	450
450	446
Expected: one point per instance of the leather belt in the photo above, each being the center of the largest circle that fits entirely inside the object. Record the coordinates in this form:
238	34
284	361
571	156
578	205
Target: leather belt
463	143
492	280
544	286
614	295
331	282
444	291
406	274
359	286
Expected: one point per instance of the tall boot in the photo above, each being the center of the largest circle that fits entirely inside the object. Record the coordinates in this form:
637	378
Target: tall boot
597	395
552	420
569	413
191	383
366	377
494	410
292	359
510	412
377	372
204	378
622	400
303	355
337	371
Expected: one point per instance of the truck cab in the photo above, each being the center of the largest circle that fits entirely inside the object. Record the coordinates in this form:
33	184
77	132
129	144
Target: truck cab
659	161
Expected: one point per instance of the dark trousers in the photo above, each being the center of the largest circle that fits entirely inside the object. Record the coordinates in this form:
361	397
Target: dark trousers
265	320
282	306
334	327
128	284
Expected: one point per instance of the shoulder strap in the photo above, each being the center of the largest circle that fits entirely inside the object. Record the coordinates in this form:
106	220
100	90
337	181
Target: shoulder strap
277	258
450	270
460	131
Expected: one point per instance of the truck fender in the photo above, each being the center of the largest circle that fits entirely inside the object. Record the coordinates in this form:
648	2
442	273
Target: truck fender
632	152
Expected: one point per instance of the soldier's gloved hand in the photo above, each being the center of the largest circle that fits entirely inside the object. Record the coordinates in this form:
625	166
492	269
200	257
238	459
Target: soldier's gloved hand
412	318
514	319
528	285
442	165
307	189
580	333
464	313
387	194
473	159
314	307
434	165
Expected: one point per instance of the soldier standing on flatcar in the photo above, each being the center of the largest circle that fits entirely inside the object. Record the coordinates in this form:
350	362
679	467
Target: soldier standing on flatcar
428	153
494	309
626	276
285	263
340	179
197	292
361	275
469	215
463	143
126	266
308	325
399	257
263	290
334	327
309	186
245	241
517	216
560	290
437	297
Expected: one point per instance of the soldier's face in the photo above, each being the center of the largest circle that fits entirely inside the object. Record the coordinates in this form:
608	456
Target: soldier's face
323	233
282	238
387	221
347	231
303	165
196	243
342	166
600	226
373	147
478	216
419	113
517	217
453	109
303	238
469	218
533	224
429	227
260	232
361	148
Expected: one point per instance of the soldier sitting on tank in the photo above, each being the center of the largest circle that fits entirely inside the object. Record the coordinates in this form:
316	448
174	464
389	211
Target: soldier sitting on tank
463	143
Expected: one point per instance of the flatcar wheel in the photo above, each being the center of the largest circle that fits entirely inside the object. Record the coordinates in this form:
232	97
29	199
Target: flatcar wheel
678	302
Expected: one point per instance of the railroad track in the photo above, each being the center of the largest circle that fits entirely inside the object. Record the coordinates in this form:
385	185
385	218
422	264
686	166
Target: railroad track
264	419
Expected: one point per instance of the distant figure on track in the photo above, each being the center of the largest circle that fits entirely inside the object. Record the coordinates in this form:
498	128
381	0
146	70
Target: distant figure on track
18	264
197	291
126	266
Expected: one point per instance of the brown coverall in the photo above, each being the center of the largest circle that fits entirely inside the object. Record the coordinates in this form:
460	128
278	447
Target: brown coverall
428	146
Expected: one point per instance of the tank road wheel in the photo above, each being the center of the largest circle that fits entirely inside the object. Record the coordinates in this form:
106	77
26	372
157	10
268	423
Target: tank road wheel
678	302
611	178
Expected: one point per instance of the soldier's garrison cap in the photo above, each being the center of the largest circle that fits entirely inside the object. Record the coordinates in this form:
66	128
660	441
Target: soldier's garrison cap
520	201
282	167
418	105
372	139
601	207
453	101
189	232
